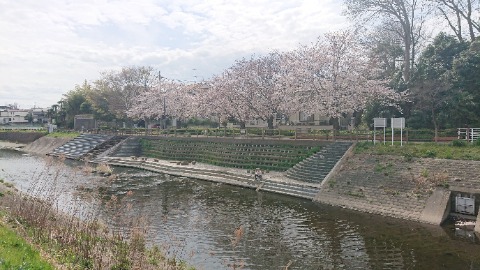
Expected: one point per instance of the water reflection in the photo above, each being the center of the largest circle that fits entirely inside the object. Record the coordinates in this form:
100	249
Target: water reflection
196	221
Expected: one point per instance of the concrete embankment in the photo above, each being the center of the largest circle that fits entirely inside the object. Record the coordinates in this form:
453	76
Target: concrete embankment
419	190
45	145
40	146
21	137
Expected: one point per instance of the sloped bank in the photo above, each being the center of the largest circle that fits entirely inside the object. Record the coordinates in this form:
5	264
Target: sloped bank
31	142
45	145
421	190
221	160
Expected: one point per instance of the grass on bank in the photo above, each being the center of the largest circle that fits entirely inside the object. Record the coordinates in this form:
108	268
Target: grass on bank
16	253
63	134
459	150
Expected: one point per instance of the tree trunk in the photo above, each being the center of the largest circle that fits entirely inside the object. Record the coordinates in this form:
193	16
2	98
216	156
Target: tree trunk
242	124
435	125
469	21
407	54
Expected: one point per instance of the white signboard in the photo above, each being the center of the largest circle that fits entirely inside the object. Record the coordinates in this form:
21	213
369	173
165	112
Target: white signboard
380	122
398	122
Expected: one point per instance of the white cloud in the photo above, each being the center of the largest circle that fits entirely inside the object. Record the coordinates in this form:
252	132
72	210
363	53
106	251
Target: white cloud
46	47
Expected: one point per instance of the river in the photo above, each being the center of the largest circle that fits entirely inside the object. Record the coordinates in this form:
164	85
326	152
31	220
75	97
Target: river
196	220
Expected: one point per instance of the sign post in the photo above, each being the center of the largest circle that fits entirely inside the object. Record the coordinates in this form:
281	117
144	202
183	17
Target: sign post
379	123
398	123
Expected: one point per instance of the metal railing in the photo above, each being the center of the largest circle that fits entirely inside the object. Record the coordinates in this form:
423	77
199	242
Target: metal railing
409	135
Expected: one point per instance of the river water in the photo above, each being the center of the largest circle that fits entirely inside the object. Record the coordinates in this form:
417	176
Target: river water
196	220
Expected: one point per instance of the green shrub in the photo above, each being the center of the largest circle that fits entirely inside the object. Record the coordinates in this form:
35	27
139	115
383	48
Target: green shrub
459	143
430	153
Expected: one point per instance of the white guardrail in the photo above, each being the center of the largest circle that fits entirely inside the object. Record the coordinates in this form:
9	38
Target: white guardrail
468	134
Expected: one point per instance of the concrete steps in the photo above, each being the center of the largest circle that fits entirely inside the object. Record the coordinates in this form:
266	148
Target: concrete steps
316	167
129	147
101	148
291	189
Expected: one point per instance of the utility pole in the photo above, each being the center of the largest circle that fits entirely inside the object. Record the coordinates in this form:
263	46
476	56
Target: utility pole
164	122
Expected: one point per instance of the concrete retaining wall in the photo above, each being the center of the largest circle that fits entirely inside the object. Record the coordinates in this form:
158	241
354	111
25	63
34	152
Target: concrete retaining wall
20	137
390	186
437	207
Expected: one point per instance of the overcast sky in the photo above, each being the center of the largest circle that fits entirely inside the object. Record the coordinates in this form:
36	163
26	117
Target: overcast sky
49	46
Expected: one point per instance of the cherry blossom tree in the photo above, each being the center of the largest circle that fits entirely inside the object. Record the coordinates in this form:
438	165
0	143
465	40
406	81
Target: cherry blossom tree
253	89
335	76
332	77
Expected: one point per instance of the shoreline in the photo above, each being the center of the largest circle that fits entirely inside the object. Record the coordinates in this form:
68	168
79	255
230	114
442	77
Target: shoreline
12	145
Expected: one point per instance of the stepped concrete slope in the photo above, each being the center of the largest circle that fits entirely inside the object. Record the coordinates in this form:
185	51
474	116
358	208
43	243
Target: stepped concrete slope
272	182
303	181
106	147
314	169
129	153
128	147
81	145
272	155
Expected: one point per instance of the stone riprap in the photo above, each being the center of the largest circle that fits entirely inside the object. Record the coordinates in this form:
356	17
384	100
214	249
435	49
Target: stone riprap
392	186
80	145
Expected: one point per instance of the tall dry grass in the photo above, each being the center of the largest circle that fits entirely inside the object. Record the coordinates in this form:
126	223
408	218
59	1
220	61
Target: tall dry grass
74	235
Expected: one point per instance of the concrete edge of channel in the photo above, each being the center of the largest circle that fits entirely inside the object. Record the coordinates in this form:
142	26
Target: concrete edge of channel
338	165
437	207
